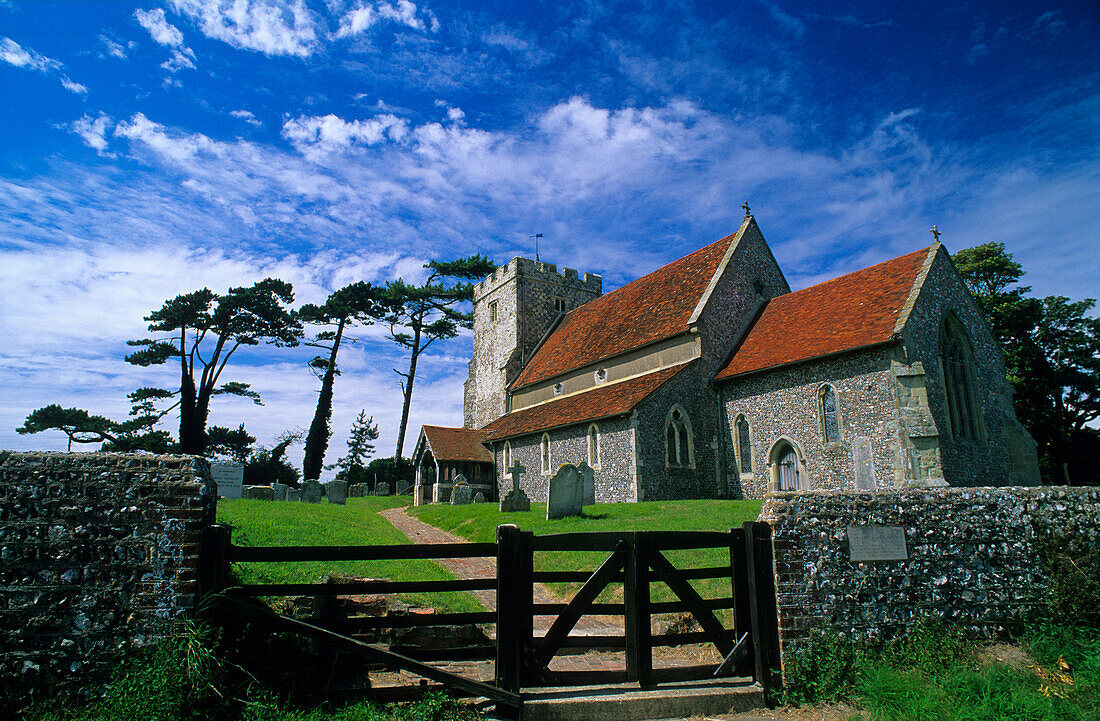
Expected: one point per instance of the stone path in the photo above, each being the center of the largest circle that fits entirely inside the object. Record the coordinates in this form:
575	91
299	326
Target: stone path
419	532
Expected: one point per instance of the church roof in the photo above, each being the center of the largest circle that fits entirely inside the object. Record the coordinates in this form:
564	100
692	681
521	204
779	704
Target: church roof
604	401
652	308
855	310
456	444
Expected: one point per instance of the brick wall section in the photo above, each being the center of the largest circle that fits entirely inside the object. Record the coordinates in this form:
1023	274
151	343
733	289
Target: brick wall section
99	552
971	556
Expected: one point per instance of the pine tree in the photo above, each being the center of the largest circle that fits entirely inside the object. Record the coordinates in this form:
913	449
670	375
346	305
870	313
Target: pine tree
360	448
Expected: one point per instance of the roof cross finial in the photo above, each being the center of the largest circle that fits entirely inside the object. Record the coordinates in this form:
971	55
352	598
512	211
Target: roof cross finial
745	205
935	233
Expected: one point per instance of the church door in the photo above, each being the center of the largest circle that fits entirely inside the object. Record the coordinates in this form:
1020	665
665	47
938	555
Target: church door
788	470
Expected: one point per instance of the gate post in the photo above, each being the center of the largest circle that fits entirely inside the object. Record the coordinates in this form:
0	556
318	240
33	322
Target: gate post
763	607
742	617
639	644
213	562
515	593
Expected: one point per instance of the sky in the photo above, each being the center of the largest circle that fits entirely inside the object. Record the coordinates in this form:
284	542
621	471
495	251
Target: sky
149	150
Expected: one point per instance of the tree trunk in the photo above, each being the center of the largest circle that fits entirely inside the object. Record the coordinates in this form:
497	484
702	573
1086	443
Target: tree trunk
189	443
409	384
319	431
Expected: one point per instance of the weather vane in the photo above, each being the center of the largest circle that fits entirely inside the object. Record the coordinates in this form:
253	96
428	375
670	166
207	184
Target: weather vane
536	236
745	205
935	233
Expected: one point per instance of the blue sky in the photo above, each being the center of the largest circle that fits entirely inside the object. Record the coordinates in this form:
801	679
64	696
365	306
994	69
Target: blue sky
151	149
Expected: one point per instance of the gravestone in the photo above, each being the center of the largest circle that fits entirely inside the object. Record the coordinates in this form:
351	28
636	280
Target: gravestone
357	490
461	495
515	501
279	491
479	497
566	493
863	464
229	477
382	489
259	493
877	543
311	491
588	491
404	488
293	494
337	492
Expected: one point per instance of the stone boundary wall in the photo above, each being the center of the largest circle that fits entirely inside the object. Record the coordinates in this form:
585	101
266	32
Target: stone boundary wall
98	552
972	557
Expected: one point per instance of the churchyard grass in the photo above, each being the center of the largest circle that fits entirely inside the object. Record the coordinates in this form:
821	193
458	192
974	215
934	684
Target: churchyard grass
282	523
478	522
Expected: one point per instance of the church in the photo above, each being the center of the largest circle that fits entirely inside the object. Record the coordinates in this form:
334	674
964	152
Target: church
709	378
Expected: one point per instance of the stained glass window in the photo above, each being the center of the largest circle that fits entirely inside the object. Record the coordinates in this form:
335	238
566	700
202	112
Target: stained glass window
829	419
744	446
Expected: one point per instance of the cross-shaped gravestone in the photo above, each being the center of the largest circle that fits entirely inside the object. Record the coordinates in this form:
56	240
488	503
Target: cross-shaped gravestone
516	471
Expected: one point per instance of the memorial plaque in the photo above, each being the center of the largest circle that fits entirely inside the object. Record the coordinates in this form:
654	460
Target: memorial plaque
877	543
229	477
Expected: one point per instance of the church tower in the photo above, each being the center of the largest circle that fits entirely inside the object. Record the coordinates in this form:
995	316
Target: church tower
513	310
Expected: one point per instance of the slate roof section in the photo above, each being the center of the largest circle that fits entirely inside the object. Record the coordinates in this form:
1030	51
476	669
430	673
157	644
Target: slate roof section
614	399
652	308
855	310
457	444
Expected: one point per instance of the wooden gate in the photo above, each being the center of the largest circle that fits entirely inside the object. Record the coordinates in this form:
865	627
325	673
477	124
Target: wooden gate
637	561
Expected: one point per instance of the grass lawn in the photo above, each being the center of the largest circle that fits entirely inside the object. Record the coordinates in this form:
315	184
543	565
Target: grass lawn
264	523
478	522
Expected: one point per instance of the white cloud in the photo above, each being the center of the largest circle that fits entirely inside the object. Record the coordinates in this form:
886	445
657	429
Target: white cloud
180	60
93	131
329	133
247	116
115	49
159	28
266	26
365	16
13	53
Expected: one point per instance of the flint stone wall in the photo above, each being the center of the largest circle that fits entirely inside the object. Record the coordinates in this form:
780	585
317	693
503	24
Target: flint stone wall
972	557
99	552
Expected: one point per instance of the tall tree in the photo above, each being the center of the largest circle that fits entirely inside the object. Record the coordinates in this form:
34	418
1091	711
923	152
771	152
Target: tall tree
1052	356
364	431
137	433
204	330
420	315
354	305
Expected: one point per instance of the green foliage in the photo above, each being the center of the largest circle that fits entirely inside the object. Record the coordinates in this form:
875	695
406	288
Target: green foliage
203	330
420	315
261	523
133	434
1052	359
360	447
264	468
1072	562
232	443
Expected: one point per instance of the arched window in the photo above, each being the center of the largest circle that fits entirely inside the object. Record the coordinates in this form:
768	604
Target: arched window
594	445
545	453
507	457
744	445
678	441
830	414
958	381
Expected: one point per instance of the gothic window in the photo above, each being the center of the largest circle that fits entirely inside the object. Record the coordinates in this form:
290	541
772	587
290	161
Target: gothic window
678	442
830	418
507	457
958	381
493	311
545	453
744	445
593	445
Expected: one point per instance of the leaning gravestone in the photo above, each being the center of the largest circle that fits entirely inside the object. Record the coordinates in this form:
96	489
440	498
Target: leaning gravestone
382	489
293	494
311	491
566	493
588	488
357	490
461	494
479	497
337	492
279	490
259	493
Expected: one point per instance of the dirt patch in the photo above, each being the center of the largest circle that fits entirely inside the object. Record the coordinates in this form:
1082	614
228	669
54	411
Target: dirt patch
821	712
1012	656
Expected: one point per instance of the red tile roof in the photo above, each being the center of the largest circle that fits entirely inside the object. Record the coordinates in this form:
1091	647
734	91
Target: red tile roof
457	444
652	308
852	311
601	402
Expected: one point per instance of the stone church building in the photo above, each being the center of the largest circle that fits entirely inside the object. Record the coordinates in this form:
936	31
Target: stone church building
709	378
